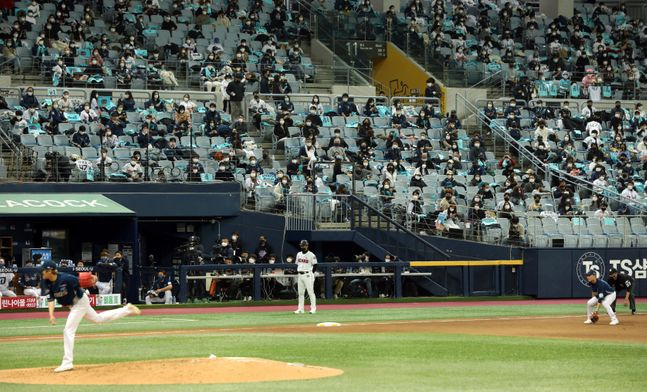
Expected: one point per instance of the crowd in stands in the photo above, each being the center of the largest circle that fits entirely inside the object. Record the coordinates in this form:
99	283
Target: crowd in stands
412	162
153	44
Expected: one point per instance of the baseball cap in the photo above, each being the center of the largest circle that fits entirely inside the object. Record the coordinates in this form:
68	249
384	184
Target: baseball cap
592	272
612	271
48	265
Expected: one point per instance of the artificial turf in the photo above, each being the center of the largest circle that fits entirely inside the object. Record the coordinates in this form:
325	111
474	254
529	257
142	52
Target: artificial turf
371	362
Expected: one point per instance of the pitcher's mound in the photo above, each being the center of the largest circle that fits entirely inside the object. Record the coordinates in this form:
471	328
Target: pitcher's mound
172	371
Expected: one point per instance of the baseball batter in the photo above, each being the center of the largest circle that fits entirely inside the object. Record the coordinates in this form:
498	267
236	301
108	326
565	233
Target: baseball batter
602	293
65	289
306	262
5	280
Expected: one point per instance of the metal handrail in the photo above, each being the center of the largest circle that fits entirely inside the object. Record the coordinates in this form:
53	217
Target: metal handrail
540	166
501	73
497	131
397	225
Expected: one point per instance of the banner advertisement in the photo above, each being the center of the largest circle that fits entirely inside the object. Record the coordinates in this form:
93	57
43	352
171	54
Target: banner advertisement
561	273
24	302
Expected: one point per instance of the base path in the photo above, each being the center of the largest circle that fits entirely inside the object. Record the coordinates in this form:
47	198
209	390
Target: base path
631	329
172	371
152	311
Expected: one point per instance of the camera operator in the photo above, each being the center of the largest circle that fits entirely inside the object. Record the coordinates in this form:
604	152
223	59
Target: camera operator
191	253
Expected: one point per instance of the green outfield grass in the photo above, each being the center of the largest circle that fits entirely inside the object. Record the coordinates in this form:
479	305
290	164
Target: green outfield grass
371	362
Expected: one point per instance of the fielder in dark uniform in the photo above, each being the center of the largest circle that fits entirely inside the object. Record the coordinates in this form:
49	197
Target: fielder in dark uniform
623	282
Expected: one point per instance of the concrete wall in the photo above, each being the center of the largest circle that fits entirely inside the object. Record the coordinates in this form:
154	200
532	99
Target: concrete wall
320	53
472	94
402	76
353	90
554	8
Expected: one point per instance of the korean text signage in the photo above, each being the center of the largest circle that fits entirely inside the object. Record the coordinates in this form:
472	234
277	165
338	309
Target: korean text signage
561	273
23	302
59	203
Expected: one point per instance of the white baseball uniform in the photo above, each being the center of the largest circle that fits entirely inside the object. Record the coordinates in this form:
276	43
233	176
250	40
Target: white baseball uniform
306	279
5	281
105	287
32	292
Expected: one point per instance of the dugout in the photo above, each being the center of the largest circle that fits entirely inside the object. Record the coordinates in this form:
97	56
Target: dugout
75	226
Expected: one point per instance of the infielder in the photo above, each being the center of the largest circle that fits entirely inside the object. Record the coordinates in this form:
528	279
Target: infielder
601	293
623	282
65	289
306	262
5	280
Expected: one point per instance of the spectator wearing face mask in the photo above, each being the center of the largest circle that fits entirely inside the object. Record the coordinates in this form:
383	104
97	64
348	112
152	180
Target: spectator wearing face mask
346	108
223	250
253	165
133	170
505	207
417	181
544	131
310	130
512	108
337	151
223	173
432	89
251	182
88	115
263	249
387	192
516	232
337	136
80	138
531	185
603	211
29	100
629	192
476	151
308	155
536	204
281	192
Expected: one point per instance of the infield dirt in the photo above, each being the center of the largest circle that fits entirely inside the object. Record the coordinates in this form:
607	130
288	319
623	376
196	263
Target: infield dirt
631	328
172	371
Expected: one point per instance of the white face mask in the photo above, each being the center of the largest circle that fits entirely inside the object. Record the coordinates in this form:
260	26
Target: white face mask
252	261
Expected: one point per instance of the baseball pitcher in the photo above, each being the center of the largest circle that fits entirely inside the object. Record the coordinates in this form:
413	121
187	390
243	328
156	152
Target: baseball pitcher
306	262
65	289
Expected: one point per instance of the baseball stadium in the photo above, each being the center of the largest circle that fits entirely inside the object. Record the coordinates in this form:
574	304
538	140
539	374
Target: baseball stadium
317	195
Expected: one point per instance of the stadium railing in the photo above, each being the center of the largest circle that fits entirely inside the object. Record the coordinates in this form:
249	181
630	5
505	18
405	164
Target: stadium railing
256	273
549	171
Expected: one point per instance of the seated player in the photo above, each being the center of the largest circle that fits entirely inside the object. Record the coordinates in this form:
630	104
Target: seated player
162	290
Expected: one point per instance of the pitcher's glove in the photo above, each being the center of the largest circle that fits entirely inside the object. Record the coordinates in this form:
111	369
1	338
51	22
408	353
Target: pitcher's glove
87	280
595	317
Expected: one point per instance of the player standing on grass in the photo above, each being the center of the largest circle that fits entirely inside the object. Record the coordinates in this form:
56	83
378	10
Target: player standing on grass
623	282
306	261
65	289
601	293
